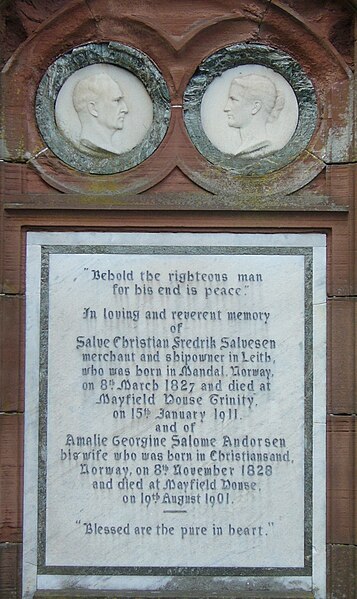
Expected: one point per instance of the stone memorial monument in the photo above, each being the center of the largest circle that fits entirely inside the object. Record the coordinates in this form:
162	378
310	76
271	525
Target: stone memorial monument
177	300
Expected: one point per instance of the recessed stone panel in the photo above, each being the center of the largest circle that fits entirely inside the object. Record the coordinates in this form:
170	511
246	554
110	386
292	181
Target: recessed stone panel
175	411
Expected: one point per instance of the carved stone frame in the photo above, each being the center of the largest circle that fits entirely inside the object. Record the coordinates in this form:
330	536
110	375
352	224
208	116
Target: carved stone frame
119	55
243	54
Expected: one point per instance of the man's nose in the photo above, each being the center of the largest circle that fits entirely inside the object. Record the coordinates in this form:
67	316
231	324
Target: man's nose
123	107
227	106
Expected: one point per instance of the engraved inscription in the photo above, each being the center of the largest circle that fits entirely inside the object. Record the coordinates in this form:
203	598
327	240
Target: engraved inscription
172	406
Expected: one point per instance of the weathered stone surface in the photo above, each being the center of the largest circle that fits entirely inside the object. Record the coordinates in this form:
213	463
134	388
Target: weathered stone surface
11	383
342	567
11	443
341	480
342	315
333	20
10	570
177	53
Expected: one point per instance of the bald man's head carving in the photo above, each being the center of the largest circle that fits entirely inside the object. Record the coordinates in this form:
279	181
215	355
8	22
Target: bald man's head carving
101	108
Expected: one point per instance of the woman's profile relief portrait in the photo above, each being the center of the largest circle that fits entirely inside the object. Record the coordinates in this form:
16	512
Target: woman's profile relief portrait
253	102
249	111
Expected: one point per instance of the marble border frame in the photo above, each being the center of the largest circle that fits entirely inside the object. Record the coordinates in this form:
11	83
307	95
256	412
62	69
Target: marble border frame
243	54
120	55
307	253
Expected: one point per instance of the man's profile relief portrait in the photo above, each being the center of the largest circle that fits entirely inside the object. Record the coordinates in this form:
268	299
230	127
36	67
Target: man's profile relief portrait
103	110
250	111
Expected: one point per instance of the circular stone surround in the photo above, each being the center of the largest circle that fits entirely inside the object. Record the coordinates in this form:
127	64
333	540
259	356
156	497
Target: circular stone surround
103	108
250	109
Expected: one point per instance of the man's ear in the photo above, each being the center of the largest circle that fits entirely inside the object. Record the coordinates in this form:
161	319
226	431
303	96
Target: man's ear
256	106
92	109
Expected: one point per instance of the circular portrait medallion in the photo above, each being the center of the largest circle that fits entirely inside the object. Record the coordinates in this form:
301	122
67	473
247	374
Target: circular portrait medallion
250	109
103	108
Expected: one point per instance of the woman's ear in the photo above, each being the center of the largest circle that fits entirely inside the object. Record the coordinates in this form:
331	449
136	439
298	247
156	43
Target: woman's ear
256	106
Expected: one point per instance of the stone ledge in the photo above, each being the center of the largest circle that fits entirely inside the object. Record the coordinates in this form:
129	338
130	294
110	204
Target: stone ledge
83	594
174	201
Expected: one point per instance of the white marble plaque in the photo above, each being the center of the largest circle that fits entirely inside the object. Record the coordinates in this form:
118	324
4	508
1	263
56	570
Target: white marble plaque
175	411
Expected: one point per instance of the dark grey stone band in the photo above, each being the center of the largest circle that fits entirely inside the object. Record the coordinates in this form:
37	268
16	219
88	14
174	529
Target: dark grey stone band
118	55
242	54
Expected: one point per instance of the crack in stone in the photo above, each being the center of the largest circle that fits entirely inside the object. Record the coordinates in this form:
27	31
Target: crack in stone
262	19
37	155
95	18
4	294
